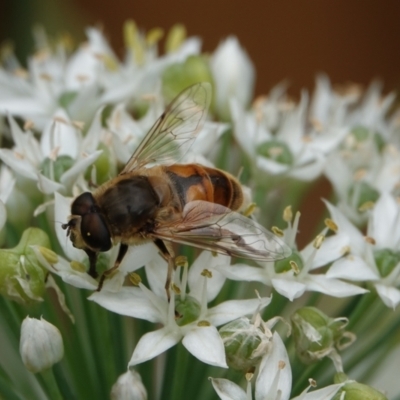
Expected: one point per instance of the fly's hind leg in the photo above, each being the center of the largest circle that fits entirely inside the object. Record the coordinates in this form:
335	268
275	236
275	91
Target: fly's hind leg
168	254
123	248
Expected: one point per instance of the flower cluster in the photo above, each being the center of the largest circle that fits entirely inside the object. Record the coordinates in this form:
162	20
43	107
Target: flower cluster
72	118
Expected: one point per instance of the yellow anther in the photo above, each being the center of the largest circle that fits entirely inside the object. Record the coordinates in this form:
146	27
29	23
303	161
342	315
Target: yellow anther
368	205
154	36
135	279
175	38
294	267
176	289
207	273
77	266
133	42
329	223
203	323
369	240
318	241
288	214
250	209
49	255
281	364
277	232
181	261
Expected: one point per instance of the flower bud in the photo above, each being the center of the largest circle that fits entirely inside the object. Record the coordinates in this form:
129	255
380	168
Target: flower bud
40	345
22	278
179	76
129	386
233	74
245	344
316	335
358	391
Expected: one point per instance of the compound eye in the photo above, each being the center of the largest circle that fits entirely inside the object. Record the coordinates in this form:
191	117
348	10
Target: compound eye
95	233
83	204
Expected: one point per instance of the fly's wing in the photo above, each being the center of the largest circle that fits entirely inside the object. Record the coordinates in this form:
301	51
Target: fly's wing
217	228
176	129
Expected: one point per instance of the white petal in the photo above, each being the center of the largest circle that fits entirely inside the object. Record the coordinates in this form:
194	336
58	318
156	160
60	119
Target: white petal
46	185
243	272
232	309
156	272
69	177
59	133
206	260
353	268
138	256
154	343
272	377
21	166
383	225
332	287
289	288
325	393
227	390
205	343
128	301
389	295
331	249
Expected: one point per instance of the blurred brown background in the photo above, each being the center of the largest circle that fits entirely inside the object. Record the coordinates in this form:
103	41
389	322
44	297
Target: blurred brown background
350	40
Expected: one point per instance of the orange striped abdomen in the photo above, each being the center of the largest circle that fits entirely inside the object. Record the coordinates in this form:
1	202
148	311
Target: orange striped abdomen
196	182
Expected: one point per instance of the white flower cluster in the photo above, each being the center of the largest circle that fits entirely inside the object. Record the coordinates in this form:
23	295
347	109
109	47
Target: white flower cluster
77	128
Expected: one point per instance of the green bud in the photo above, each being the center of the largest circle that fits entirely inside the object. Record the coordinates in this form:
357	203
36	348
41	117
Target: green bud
276	150
315	334
244	343
286	265
54	169
187	310
22	278
178	77
358	391
386	260
365	193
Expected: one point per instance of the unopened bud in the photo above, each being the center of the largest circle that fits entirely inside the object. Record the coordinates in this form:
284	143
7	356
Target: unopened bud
316	335
129	386
358	391
40	345
245	344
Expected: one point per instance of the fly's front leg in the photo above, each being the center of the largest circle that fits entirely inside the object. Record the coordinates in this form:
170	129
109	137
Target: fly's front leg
168	254
123	248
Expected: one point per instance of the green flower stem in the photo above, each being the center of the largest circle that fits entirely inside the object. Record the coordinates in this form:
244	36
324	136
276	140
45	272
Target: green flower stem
51	385
362	309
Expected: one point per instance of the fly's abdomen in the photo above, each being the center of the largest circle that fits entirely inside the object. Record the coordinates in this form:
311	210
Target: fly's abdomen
196	182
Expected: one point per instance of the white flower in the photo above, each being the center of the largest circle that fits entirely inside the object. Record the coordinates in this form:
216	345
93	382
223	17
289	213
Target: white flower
41	344
374	257
196	325
36	159
234	75
273	382
293	276
277	137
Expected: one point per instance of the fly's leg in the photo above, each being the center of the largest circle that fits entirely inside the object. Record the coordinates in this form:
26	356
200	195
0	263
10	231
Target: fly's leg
92	263
168	254
123	248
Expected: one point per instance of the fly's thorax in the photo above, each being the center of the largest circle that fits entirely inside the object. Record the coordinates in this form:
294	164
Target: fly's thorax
127	203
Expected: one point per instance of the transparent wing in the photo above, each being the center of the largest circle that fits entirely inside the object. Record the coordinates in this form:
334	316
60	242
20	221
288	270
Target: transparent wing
214	227
176	129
